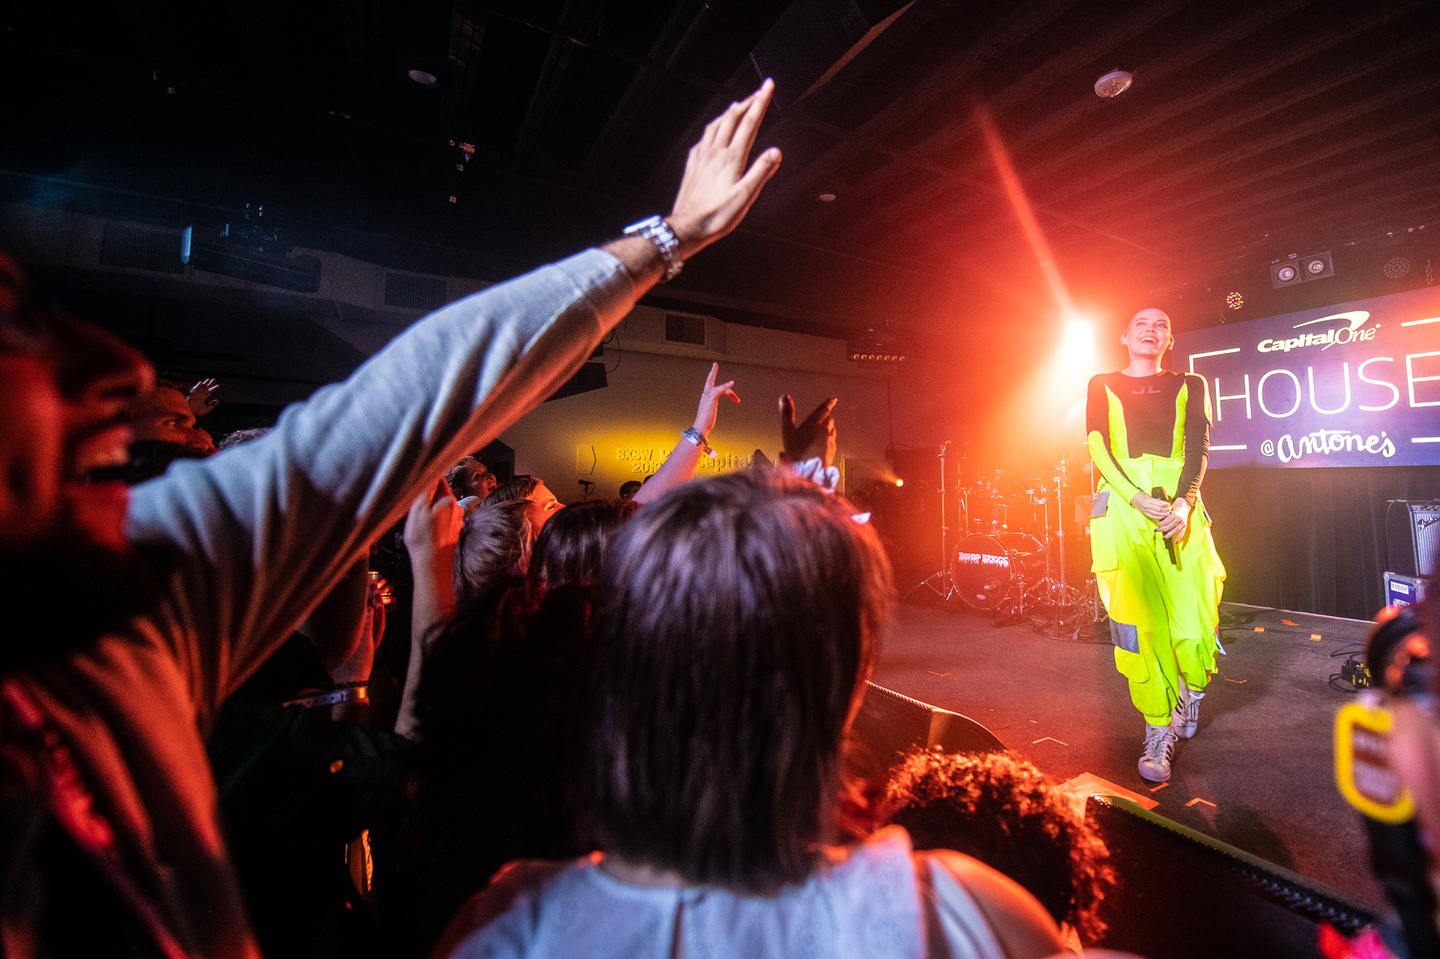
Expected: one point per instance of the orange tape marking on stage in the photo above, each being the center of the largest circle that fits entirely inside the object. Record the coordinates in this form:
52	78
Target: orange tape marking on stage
1259	629
1198	799
1315	637
1237	682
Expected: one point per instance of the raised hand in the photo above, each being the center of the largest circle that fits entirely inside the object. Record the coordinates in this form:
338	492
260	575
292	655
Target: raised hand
710	401
369	631
432	531
717	189
815	437
199	398
433	524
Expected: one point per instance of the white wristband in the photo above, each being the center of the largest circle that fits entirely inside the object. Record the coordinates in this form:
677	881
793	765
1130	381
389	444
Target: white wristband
696	438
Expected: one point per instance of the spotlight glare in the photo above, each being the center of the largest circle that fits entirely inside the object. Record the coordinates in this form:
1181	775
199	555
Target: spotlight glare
1235	300
1079	337
899	482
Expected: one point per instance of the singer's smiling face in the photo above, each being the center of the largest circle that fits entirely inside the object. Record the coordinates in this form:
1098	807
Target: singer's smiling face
1148	334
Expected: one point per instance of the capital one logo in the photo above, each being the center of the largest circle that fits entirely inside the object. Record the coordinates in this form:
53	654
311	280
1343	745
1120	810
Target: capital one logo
1349	331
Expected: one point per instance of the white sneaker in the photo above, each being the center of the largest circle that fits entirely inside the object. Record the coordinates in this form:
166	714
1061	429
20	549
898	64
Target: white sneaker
1159	748
1185	717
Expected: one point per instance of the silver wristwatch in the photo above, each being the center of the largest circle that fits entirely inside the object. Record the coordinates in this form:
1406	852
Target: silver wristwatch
657	231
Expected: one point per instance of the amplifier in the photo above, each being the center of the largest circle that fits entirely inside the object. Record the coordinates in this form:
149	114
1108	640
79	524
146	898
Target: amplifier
1412	536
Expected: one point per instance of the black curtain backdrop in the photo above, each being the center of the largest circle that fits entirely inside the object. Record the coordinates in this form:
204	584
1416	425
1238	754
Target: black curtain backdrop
1309	540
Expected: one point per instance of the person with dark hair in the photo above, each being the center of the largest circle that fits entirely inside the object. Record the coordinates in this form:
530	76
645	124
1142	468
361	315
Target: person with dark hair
1003	811
1154	559
629	488
738	621
111	844
470	477
521	487
163	415
500	721
573	544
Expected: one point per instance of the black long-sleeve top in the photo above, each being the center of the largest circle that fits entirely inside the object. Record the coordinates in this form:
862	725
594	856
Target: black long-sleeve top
1162	415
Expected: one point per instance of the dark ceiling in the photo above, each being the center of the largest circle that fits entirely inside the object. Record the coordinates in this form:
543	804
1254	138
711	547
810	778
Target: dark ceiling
1253	131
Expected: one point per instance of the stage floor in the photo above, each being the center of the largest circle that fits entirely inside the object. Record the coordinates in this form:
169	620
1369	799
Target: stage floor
1259	774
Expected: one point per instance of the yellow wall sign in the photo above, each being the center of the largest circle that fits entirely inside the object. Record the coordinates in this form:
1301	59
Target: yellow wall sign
647	460
1362	763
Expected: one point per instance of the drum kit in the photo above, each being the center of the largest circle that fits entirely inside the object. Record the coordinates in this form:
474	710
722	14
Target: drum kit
1010	557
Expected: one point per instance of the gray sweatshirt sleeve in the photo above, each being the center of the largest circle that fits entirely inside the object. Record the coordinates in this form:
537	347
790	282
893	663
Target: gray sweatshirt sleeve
263	531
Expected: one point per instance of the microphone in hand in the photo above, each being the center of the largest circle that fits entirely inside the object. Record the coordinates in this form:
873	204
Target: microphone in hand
1159	493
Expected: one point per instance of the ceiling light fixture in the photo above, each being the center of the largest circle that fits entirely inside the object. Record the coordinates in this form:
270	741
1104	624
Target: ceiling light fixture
1114	83
826	198
1394	268
422	78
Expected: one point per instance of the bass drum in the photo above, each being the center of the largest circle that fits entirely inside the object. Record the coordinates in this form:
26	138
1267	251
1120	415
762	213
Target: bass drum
986	568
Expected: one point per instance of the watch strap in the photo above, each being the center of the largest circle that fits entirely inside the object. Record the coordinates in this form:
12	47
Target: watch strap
658	232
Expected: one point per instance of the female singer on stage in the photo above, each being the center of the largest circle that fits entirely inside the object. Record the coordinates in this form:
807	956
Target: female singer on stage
1154	561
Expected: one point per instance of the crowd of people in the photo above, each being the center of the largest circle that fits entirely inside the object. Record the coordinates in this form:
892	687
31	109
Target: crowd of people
612	729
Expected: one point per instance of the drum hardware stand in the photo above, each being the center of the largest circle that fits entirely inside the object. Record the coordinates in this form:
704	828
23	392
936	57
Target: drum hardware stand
1057	593
941	582
1086	609
1015	616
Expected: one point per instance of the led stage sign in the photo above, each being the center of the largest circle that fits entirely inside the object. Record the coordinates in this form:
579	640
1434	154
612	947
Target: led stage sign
1356	384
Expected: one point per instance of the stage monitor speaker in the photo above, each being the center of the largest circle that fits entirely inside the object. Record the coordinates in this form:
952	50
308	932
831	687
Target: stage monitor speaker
889	723
1412	536
590	376
1241	904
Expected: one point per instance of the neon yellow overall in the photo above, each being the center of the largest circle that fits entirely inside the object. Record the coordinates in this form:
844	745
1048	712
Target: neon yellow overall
1165	613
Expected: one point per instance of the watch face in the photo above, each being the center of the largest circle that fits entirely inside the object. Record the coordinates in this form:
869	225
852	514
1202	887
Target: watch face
647	225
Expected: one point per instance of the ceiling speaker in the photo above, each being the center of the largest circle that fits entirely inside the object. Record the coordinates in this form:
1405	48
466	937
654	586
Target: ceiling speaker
1299	269
1286	273
1316	266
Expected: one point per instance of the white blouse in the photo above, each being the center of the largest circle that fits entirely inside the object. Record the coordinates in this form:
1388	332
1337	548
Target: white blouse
871	901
